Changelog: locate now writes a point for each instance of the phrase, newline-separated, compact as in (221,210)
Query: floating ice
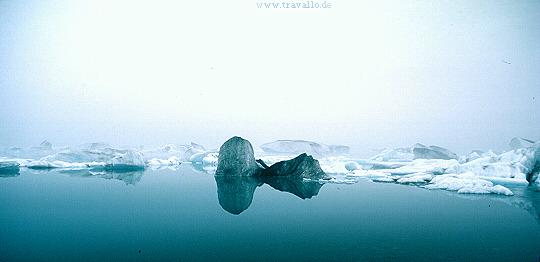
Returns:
(129,161)
(156,163)
(9,167)
(432,152)
(394,155)
(374,175)
(466,183)
(416,178)
(210,159)
(432,166)
(351,166)
(520,164)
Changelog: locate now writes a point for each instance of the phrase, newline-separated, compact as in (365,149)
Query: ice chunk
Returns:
(519,164)
(466,183)
(182,152)
(518,142)
(416,178)
(205,158)
(293,147)
(44,164)
(334,165)
(395,155)
(351,166)
(9,168)
(476,154)
(497,189)
(371,164)
(194,149)
(211,159)
(432,152)
(171,161)
(129,161)
(373,175)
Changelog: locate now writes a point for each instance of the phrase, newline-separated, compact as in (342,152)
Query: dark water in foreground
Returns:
(176,215)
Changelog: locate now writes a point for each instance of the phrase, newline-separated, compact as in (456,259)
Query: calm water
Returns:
(188,215)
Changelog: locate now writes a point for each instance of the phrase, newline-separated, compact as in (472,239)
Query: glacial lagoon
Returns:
(188,214)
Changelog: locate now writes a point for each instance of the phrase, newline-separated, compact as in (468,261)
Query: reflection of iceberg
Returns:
(299,187)
(9,168)
(128,177)
(526,198)
(235,193)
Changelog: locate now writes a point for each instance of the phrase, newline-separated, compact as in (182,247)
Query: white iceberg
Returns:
(129,161)
(417,178)
(211,159)
(157,163)
(466,183)
(394,155)
(521,165)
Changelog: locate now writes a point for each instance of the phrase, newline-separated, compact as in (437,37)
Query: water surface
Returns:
(186,214)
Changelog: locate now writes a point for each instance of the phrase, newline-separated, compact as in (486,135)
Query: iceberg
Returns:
(182,152)
(432,152)
(467,183)
(129,161)
(9,168)
(417,178)
(518,142)
(157,163)
(295,147)
(417,151)
(394,155)
(521,164)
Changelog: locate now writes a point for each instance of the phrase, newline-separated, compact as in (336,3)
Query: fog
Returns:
(459,74)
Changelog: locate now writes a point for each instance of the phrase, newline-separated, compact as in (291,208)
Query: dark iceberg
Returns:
(301,166)
(235,193)
(9,168)
(238,174)
(236,158)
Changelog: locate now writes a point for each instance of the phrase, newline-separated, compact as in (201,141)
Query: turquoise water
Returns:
(188,215)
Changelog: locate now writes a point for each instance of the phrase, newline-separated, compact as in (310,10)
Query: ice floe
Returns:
(466,183)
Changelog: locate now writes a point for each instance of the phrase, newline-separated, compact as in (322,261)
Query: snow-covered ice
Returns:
(466,183)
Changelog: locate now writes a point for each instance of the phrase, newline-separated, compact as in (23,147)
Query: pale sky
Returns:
(460,74)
